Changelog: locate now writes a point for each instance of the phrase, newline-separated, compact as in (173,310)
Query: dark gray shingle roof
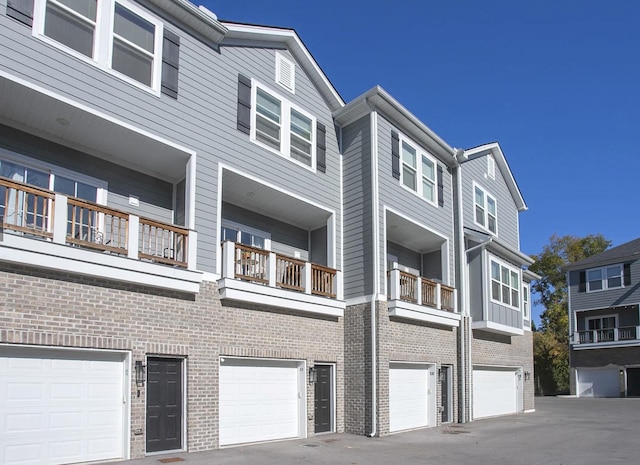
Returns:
(623,252)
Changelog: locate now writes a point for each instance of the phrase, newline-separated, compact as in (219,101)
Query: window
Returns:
(282,127)
(601,329)
(485,210)
(244,235)
(525,301)
(505,285)
(418,171)
(599,279)
(113,34)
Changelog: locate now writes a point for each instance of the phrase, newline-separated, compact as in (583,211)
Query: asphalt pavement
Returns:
(562,431)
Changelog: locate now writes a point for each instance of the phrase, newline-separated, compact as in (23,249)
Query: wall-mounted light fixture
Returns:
(313,375)
(140,375)
(527,376)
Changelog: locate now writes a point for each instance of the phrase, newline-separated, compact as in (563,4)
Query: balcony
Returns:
(619,336)
(50,230)
(259,276)
(419,298)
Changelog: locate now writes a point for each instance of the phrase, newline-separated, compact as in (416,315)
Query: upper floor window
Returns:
(609,277)
(525,301)
(485,210)
(418,171)
(113,34)
(505,285)
(281,126)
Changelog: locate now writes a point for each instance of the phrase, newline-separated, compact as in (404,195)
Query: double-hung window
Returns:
(418,171)
(282,127)
(113,34)
(505,284)
(485,210)
(609,277)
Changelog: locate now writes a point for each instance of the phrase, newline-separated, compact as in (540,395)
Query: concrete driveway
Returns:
(562,431)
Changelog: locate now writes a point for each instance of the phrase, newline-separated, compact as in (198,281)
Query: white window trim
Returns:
(526,302)
(485,209)
(103,40)
(280,58)
(511,268)
(590,318)
(53,170)
(285,126)
(249,230)
(604,280)
(419,154)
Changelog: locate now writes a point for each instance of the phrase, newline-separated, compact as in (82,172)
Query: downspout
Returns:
(463,285)
(376,268)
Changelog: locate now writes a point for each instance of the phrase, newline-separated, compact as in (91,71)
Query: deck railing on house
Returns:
(421,291)
(279,271)
(40,213)
(621,333)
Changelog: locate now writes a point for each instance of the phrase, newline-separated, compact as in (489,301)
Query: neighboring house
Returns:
(203,246)
(604,322)
(498,301)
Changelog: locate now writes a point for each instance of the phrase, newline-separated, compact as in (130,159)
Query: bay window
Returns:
(505,285)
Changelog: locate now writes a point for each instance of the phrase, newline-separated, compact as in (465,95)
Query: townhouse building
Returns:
(603,323)
(202,245)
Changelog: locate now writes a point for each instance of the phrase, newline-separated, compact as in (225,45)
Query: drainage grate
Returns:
(171,460)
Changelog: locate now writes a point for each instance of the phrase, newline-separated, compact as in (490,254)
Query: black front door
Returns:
(633,382)
(323,389)
(445,393)
(164,404)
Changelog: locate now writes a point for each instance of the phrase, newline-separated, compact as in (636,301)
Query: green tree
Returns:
(551,339)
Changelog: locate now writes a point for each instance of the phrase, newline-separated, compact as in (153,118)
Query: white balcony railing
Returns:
(595,336)
(275,270)
(421,291)
(39,213)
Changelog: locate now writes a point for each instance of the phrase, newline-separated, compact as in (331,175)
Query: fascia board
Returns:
(194,17)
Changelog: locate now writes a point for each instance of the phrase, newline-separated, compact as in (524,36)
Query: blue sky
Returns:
(554,82)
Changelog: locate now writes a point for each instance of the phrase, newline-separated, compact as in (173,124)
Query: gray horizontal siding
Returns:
(358,244)
(406,257)
(155,196)
(628,295)
(507,213)
(399,199)
(202,119)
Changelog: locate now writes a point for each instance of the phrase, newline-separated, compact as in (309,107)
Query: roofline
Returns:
(492,242)
(201,20)
(501,160)
(597,264)
(244,33)
(380,100)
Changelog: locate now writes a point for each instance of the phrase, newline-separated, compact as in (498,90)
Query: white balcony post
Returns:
(272,268)
(615,334)
(306,276)
(192,250)
(60,219)
(134,237)
(228,259)
(339,286)
(438,296)
(595,335)
(455,300)
(394,278)
(419,291)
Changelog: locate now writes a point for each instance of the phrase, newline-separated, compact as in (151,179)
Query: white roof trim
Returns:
(288,38)
(201,20)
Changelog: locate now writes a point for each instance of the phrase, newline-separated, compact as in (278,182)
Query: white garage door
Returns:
(599,383)
(408,396)
(495,392)
(59,406)
(260,400)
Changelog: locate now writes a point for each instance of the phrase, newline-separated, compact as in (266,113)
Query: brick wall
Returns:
(61,309)
(593,358)
(510,351)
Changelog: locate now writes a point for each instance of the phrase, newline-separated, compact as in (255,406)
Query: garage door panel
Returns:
(60,406)
(408,396)
(599,383)
(495,392)
(259,400)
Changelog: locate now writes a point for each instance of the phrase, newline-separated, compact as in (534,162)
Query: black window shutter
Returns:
(22,10)
(627,274)
(321,149)
(440,187)
(395,155)
(170,61)
(583,282)
(244,104)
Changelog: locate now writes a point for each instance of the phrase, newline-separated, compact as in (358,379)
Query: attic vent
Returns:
(285,72)
(491,167)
